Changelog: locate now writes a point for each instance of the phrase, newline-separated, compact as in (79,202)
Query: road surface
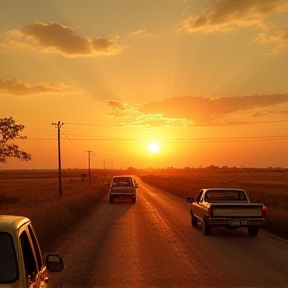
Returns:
(152,244)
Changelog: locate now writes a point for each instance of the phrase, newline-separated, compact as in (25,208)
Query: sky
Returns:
(205,80)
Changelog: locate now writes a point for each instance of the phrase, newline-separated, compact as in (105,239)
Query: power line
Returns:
(80,148)
(133,125)
(72,142)
(96,157)
(191,139)
(96,125)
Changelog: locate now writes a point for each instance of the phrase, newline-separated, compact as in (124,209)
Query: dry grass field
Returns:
(265,186)
(35,194)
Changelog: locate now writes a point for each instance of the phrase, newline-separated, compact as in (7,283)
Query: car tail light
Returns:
(264,209)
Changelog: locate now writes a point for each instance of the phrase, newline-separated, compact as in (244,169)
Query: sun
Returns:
(154,147)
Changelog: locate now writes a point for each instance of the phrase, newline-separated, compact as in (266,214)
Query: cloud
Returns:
(189,111)
(280,38)
(17,87)
(154,120)
(141,33)
(225,15)
(56,38)
(118,109)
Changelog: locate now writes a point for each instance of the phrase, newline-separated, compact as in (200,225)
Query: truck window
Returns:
(36,247)
(28,256)
(225,195)
(8,262)
(122,182)
(199,196)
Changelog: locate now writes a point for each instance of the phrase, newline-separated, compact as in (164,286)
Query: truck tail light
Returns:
(210,211)
(264,209)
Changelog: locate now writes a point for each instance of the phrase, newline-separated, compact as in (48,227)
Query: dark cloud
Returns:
(117,108)
(57,38)
(188,111)
(15,86)
(102,45)
(226,14)
(116,105)
(278,37)
(199,109)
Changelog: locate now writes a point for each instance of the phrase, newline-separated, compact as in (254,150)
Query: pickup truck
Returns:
(122,187)
(21,262)
(226,207)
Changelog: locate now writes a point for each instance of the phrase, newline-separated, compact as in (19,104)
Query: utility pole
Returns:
(59,125)
(111,165)
(89,166)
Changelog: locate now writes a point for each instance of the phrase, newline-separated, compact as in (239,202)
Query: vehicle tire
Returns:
(193,220)
(253,230)
(134,200)
(206,228)
(110,200)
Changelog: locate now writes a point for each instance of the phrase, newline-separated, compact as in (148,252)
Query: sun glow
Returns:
(154,147)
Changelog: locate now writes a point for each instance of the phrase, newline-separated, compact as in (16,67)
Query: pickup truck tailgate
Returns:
(223,210)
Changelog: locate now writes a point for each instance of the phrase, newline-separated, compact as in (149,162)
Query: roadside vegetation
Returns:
(36,196)
(270,188)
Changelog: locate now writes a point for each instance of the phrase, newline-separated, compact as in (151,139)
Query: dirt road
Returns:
(152,244)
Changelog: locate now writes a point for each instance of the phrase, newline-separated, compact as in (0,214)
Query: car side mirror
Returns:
(136,185)
(54,262)
(190,199)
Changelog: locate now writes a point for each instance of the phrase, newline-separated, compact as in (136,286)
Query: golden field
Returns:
(35,193)
(266,186)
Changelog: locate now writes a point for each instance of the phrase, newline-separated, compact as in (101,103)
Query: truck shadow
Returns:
(240,232)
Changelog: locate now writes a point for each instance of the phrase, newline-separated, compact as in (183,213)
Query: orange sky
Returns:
(207,80)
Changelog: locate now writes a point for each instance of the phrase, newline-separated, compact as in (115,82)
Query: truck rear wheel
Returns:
(133,200)
(193,220)
(206,228)
(110,200)
(253,230)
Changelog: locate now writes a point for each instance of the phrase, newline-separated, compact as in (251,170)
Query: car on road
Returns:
(122,187)
(21,262)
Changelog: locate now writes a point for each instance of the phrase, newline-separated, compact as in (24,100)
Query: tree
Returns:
(10,130)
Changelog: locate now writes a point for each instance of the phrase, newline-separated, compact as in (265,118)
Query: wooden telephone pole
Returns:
(59,125)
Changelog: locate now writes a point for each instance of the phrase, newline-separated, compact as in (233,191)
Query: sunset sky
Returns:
(205,80)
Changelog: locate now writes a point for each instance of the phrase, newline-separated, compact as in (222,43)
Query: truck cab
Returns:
(21,261)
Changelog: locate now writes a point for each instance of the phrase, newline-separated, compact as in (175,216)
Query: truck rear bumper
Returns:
(123,195)
(236,222)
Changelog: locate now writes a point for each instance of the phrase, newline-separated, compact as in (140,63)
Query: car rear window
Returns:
(8,263)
